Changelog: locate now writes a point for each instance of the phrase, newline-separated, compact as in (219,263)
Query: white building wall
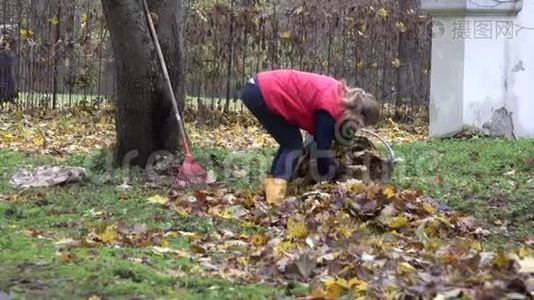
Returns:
(477,74)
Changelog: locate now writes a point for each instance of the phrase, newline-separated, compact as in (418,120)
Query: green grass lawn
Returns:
(487,178)
(76,98)
(61,98)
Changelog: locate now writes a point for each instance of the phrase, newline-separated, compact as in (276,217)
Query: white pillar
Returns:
(482,67)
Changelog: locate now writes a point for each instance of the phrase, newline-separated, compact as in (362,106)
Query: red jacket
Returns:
(296,96)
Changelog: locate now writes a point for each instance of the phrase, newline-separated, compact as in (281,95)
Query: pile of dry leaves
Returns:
(357,240)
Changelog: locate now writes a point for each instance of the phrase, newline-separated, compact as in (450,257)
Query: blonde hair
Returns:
(360,106)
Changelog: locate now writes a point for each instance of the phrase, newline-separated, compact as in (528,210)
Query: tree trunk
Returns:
(144,122)
(171,14)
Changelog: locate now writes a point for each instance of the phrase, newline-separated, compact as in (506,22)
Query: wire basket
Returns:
(365,156)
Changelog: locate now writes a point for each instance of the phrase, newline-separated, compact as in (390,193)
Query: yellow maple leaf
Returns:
(357,187)
(396,63)
(318,293)
(281,247)
(5,137)
(333,288)
(285,35)
(524,252)
(397,222)
(243,261)
(157,199)
(357,283)
(400,26)
(475,245)
(389,192)
(181,211)
(54,20)
(26,33)
(299,10)
(444,220)
(381,13)
(501,260)
(429,208)
(405,268)
(83,19)
(109,235)
(296,229)
(258,240)
(342,282)
(433,244)
(358,286)
(345,231)
(39,141)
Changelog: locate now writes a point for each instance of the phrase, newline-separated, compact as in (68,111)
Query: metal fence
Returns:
(381,46)
(62,50)
(64,53)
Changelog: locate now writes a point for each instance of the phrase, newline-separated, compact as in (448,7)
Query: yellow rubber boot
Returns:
(275,190)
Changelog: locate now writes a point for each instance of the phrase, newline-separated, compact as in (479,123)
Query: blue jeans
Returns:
(288,136)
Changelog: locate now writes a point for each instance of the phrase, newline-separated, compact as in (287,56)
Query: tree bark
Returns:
(171,14)
(144,120)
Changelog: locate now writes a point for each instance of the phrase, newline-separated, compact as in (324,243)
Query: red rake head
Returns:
(190,173)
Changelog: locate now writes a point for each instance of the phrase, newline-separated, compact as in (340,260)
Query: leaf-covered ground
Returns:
(82,129)
(456,222)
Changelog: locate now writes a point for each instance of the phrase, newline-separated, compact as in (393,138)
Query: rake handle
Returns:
(167,78)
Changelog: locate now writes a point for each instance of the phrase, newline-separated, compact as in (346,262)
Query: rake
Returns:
(190,172)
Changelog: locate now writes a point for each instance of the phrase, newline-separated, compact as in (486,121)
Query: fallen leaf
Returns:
(333,288)
(429,208)
(382,13)
(285,35)
(405,268)
(396,63)
(452,294)
(211,177)
(367,258)
(208,266)
(124,187)
(526,265)
(296,229)
(163,250)
(400,26)
(397,222)
(157,199)
(510,173)
(305,265)
(501,260)
(109,235)
(281,264)
(525,252)
(389,192)
(358,286)
(259,240)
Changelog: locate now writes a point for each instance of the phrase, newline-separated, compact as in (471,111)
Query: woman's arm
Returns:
(325,126)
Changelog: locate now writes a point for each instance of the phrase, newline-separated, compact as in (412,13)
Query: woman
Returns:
(286,101)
